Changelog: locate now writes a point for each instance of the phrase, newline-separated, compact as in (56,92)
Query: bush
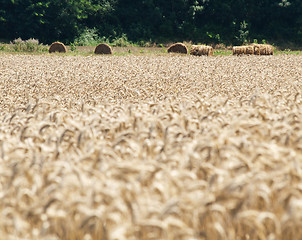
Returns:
(243,33)
(18,44)
(30,45)
(143,43)
(73,47)
(89,37)
(121,41)
(2,47)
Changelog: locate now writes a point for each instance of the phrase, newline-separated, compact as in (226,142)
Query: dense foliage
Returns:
(209,21)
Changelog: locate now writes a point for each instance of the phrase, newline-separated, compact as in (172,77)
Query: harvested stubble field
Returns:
(150,147)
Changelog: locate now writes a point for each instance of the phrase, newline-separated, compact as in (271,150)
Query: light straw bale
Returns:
(263,49)
(249,50)
(199,50)
(239,50)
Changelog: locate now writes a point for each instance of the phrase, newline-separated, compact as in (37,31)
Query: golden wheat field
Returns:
(150,147)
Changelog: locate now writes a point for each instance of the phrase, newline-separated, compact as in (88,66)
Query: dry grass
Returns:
(150,147)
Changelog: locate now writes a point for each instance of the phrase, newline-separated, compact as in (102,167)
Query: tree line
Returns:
(200,21)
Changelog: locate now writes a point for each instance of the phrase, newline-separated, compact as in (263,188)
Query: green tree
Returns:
(209,21)
(47,20)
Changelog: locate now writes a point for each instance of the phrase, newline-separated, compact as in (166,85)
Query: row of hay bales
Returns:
(197,50)
(254,49)
(102,48)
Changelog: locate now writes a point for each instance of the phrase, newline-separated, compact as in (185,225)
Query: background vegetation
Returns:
(206,21)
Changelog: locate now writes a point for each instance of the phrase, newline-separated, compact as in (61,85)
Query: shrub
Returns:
(73,47)
(2,47)
(30,45)
(121,41)
(243,33)
(89,37)
(18,44)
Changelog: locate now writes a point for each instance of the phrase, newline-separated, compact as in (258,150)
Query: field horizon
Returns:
(34,48)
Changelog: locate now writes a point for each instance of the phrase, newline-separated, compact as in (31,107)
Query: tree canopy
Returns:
(209,21)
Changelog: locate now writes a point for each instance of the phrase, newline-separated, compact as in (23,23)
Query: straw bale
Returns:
(178,48)
(103,48)
(256,49)
(263,49)
(249,50)
(269,49)
(57,47)
(238,50)
(199,50)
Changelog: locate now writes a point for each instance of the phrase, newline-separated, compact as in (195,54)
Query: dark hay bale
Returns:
(57,47)
(178,48)
(103,48)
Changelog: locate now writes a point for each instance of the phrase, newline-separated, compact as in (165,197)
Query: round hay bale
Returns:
(103,48)
(57,47)
(199,50)
(178,48)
